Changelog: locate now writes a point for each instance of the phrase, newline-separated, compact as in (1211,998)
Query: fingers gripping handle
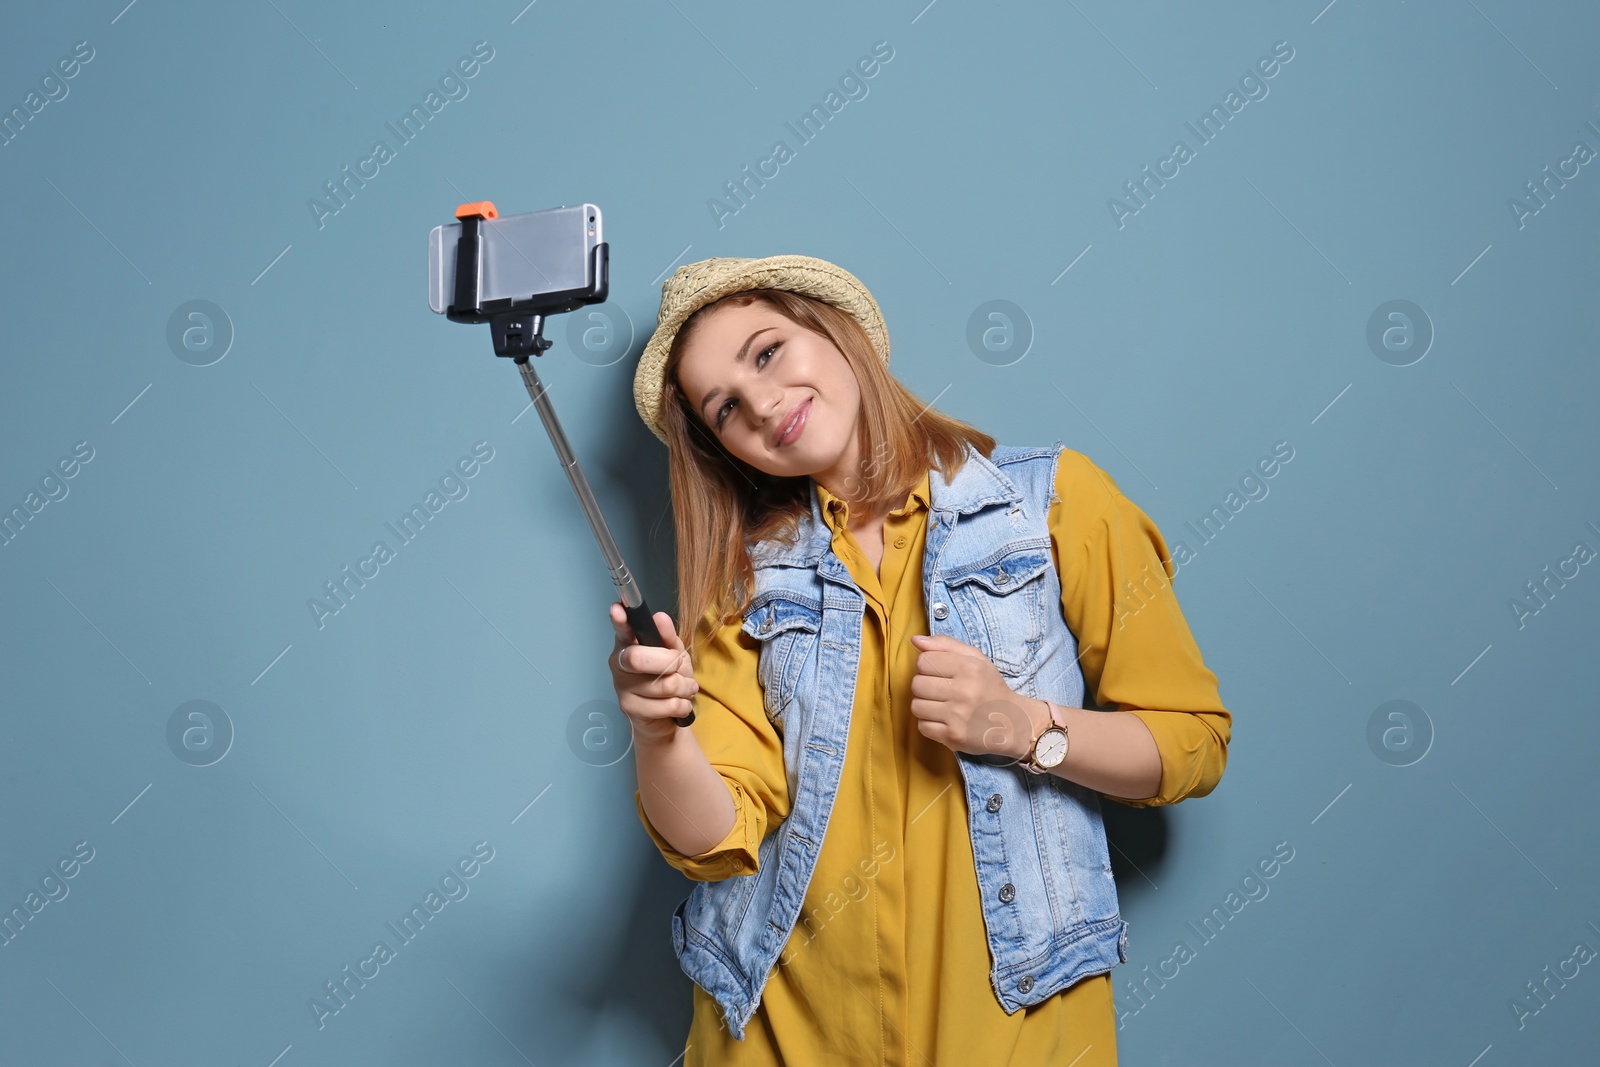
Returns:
(643,623)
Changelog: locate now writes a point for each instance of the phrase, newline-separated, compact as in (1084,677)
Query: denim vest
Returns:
(1049,902)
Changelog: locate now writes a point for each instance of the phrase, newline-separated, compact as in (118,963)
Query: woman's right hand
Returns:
(654,685)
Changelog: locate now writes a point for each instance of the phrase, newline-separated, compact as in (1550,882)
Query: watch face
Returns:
(1052,748)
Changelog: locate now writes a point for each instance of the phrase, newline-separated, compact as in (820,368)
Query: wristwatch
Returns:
(1049,748)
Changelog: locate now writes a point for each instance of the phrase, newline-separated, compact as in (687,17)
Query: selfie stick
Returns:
(517,329)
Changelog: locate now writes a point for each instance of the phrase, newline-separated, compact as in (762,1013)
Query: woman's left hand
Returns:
(961,701)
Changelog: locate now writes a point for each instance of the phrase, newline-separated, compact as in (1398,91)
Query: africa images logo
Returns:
(1253,84)
(342,589)
(452,84)
(807,128)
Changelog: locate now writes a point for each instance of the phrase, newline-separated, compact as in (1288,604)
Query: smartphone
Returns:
(527,257)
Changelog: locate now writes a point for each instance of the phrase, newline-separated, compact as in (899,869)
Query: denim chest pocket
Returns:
(1002,602)
(787,628)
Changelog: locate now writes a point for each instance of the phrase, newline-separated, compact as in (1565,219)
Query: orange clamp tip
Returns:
(481,207)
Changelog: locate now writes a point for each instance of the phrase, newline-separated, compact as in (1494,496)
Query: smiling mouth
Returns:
(791,426)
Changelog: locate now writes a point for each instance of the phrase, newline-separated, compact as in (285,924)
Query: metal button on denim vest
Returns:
(1050,908)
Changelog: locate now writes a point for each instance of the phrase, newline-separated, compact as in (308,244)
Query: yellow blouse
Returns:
(889,963)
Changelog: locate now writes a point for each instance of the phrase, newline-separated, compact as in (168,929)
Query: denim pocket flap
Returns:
(778,614)
(1007,574)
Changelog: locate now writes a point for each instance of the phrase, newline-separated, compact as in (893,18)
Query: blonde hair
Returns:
(721,504)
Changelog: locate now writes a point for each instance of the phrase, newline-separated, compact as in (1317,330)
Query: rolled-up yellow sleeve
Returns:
(743,745)
(1137,654)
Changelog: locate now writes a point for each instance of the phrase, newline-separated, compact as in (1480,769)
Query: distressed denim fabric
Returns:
(1049,901)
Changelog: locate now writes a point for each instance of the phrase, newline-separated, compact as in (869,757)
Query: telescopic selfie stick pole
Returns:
(517,329)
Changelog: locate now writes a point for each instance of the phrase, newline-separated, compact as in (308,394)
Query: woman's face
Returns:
(747,369)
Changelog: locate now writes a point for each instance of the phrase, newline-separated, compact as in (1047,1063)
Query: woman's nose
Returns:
(772,404)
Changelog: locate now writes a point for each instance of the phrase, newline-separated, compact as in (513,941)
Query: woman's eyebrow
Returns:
(743,349)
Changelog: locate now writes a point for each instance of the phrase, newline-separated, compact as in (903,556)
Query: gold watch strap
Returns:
(1028,761)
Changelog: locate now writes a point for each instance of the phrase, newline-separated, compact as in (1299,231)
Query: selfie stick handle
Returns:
(640,618)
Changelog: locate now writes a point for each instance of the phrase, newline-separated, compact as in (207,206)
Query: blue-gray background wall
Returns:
(233,456)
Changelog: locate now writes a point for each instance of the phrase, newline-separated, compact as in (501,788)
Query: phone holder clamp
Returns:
(516,326)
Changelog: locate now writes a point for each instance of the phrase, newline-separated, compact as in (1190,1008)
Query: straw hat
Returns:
(694,285)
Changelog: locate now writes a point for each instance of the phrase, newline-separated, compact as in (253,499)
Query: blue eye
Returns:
(722,412)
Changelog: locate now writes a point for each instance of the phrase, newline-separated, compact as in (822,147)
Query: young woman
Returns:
(889,797)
